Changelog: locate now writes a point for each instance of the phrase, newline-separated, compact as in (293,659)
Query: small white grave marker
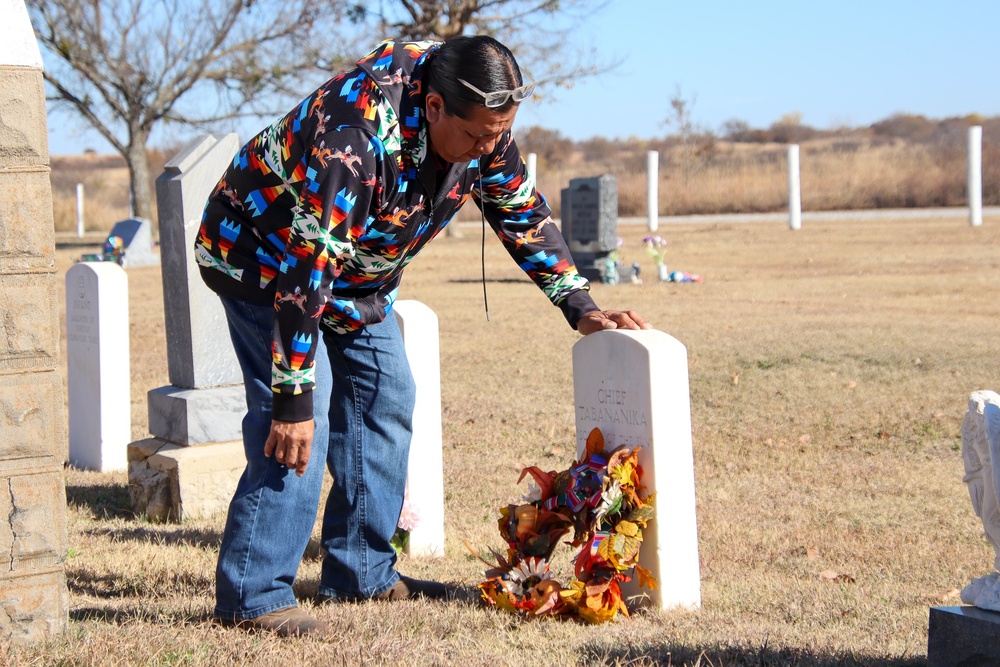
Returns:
(633,385)
(97,354)
(425,474)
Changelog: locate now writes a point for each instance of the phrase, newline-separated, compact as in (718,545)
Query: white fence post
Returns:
(79,210)
(976,175)
(652,192)
(532,164)
(794,191)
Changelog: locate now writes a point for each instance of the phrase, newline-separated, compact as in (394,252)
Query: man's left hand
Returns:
(599,320)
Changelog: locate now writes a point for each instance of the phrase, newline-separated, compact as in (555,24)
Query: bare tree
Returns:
(697,145)
(127,65)
(540,32)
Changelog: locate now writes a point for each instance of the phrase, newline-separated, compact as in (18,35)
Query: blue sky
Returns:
(843,63)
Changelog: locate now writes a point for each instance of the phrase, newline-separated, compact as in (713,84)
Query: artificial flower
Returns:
(601,499)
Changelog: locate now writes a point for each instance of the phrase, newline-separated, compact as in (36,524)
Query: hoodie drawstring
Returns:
(486,303)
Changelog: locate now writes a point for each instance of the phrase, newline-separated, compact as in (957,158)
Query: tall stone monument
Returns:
(189,468)
(34,600)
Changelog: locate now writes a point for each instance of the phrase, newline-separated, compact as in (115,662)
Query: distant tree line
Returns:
(551,146)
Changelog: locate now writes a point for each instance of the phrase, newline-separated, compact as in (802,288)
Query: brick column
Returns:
(33,597)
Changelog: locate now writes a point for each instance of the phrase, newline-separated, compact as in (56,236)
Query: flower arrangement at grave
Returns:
(600,500)
(656,246)
(409,518)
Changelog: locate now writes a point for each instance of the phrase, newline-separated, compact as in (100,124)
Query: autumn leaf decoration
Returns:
(600,500)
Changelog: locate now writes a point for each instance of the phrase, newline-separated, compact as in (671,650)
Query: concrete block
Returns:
(170,482)
(24,139)
(32,520)
(29,320)
(199,352)
(26,232)
(32,430)
(633,385)
(33,605)
(963,637)
(196,416)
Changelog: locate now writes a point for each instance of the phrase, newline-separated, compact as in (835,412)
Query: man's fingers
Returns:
(292,455)
(272,441)
(639,321)
(304,452)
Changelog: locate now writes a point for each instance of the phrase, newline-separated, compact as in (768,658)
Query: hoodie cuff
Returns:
(576,305)
(292,407)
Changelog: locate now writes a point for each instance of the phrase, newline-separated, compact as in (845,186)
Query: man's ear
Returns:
(433,107)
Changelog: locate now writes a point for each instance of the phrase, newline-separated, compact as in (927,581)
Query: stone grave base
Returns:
(963,636)
(169,482)
(195,416)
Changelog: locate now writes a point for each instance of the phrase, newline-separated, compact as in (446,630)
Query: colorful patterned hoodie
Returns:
(321,211)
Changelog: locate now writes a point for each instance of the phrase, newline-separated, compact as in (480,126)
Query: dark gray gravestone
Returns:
(963,637)
(199,352)
(590,222)
(205,400)
(191,465)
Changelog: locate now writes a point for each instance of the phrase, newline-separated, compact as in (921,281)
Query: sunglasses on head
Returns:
(499,97)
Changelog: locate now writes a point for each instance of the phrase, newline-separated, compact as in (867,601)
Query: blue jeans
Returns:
(363,409)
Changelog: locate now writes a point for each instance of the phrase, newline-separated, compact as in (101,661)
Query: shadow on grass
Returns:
(105,501)
(130,615)
(117,587)
(162,535)
(735,656)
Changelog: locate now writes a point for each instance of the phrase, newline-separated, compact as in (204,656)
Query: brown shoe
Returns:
(289,622)
(404,589)
(409,589)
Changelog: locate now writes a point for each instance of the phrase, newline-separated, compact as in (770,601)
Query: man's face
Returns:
(455,139)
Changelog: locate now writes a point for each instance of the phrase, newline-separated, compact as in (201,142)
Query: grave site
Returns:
(792,443)
(829,370)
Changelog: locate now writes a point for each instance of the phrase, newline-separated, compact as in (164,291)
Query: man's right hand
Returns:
(290,443)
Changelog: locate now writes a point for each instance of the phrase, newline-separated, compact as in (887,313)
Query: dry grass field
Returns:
(829,373)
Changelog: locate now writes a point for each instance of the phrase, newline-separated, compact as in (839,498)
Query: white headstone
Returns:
(633,385)
(136,235)
(425,474)
(97,355)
